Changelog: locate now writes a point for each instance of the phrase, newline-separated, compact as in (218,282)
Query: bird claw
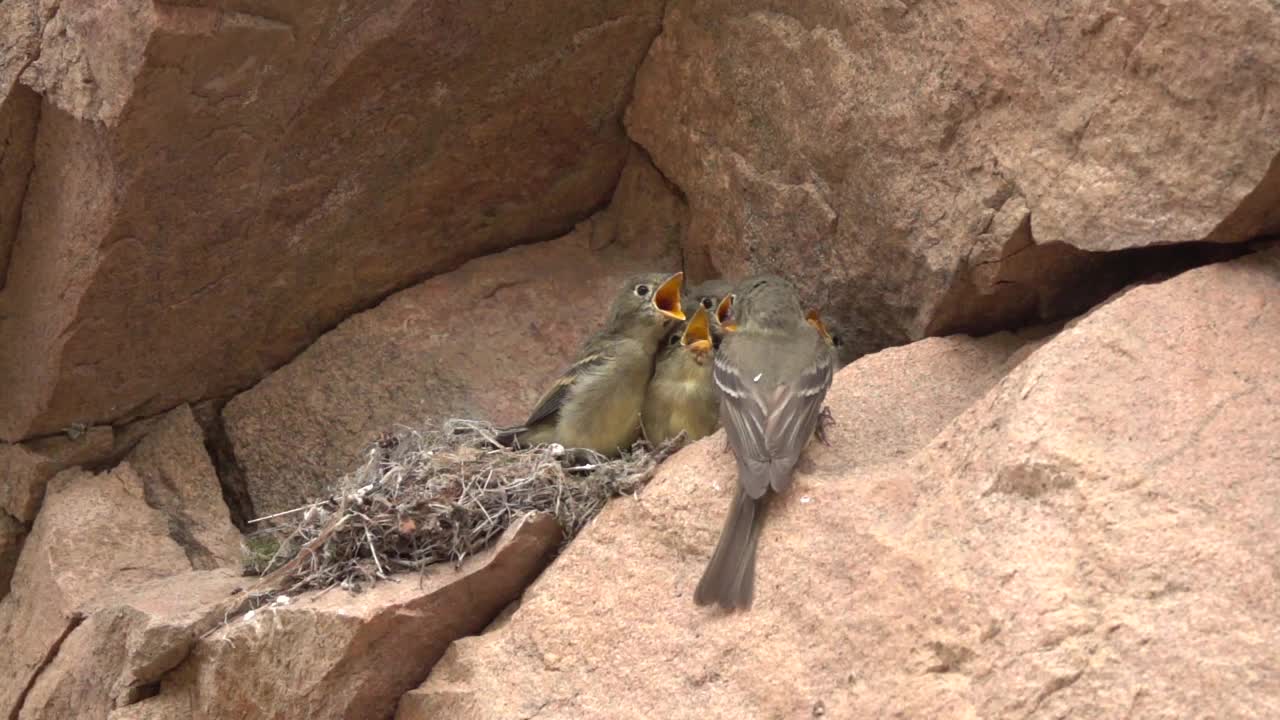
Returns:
(824,418)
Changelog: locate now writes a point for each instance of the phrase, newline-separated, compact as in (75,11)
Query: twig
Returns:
(374,551)
(282,513)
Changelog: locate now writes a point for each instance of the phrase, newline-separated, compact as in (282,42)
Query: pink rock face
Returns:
(1090,531)
(180,482)
(111,656)
(481,342)
(24,473)
(129,585)
(98,543)
(26,470)
(95,536)
(334,655)
(888,155)
(212,189)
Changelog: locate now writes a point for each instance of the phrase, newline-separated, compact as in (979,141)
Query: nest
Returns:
(430,496)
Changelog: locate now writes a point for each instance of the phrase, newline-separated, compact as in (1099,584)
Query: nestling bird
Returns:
(596,403)
(814,319)
(833,342)
(708,294)
(681,395)
(772,372)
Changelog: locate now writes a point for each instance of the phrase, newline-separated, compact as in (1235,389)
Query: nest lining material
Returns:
(430,496)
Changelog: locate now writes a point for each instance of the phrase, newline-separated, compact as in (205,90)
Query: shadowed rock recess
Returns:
(242,240)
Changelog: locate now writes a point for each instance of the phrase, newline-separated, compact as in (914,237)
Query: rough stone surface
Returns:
(483,341)
(180,482)
(24,473)
(646,211)
(94,536)
(12,534)
(97,539)
(213,188)
(108,660)
(337,655)
(26,470)
(162,707)
(895,157)
(19,113)
(1095,536)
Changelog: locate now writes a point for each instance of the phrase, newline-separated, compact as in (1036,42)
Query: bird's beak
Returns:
(816,322)
(722,314)
(667,297)
(697,334)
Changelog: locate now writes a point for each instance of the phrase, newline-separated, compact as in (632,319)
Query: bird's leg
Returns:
(824,418)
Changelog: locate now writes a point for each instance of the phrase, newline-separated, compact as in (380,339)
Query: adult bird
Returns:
(772,372)
(596,402)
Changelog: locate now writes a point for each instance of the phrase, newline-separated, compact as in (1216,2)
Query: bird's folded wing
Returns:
(768,426)
(552,400)
(743,414)
(793,418)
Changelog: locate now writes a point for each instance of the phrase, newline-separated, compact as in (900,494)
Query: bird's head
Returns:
(763,302)
(648,300)
(696,338)
(708,295)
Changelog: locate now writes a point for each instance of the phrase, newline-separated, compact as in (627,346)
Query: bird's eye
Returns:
(642,290)
(673,340)
(835,340)
(708,303)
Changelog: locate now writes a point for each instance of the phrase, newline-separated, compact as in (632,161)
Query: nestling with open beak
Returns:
(833,342)
(681,395)
(827,334)
(708,294)
(596,403)
(772,372)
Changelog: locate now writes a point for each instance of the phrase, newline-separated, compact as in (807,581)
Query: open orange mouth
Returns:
(816,322)
(724,311)
(667,297)
(697,335)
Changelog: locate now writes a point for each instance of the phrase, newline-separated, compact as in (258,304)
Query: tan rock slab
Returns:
(25,470)
(336,655)
(117,651)
(84,580)
(899,160)
(214,188)
(180,481)
(19,112)
(161,707)
(1094,536)
(95,536)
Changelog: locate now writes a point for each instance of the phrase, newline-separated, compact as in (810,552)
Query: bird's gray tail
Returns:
(730,577)
(509,436)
